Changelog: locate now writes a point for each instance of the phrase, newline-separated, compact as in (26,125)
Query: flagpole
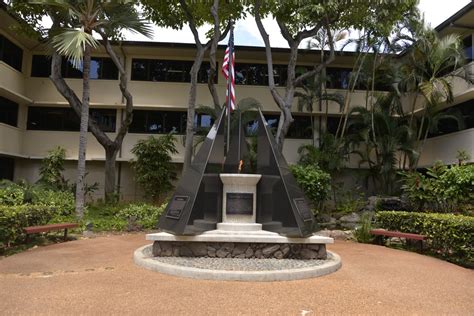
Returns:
(229,95)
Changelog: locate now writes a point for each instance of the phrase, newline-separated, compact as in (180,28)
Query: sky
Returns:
(246,32)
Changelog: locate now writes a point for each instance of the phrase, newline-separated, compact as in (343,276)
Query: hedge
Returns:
(14,218)
(450,236)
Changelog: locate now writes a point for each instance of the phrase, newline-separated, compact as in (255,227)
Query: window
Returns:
(338,78)
(468,49)
(465,113)
(203,123)
(257,74)
(300,128)
(332,124)
(8,112)
(105,118)
(167,70)
(101,68)
(164,122)
(158,122)
(10,53)
(7,167)
(64,119)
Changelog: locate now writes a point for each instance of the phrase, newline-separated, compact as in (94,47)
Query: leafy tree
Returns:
(71,35)
(311,17)
(154,170)
(175,14)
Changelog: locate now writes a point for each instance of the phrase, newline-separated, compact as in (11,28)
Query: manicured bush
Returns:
(145,215)
(314,182)
(450,236)
(13,218)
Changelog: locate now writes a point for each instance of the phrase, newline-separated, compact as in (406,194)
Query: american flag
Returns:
(228,71)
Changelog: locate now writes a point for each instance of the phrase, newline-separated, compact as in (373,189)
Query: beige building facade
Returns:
(35,118)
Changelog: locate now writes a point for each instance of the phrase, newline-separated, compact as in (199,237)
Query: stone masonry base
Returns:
(238,250)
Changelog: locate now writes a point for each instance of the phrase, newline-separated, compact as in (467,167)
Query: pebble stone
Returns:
(239,264)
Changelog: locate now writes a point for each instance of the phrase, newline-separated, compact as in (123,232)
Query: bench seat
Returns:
(381,233)
(388,233)
(46,228)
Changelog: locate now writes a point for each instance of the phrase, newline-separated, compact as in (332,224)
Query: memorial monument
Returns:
(217,211)
(220,211)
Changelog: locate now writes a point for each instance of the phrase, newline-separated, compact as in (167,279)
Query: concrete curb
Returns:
(142,259)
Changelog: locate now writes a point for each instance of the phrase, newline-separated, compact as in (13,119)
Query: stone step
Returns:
(204,224)
(239,226)
(272,226)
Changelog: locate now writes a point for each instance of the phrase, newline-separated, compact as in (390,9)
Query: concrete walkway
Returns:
(97,276)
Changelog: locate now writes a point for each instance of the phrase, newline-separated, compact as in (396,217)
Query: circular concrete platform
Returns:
(231,269)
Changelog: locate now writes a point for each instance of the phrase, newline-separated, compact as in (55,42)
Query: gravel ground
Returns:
(236,264)
(98,277)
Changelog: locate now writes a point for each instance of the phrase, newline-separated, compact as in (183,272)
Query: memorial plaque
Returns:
(304,209)
(239,204)
(176,207)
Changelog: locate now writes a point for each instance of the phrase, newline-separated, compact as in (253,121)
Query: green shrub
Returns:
(443,189)
(62,201)
(51,169)
(450,236)
(144,214)
(106,224)
(19,194)
(314,182)
(14,218)
(154,170)
(11,193)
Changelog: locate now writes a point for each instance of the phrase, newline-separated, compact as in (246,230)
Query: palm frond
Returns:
(124,16)
(71,43)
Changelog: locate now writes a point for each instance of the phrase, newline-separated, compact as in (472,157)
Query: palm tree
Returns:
(430,65)
(384,136)
(314,92)
(71,35)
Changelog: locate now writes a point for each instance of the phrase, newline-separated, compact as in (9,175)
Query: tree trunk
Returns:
(81,160)
(188,147)
(76,104)
(285,103)
(110,185)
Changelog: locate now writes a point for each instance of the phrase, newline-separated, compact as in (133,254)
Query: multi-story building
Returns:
(34,117)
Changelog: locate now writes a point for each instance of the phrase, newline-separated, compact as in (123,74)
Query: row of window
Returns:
(178,71)
(8,112)
(10,53)
(101,68)
(64,119)
(147,121)
(168,70)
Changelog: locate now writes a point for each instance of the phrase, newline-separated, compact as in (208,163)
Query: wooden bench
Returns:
(46,228)
(387,233)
